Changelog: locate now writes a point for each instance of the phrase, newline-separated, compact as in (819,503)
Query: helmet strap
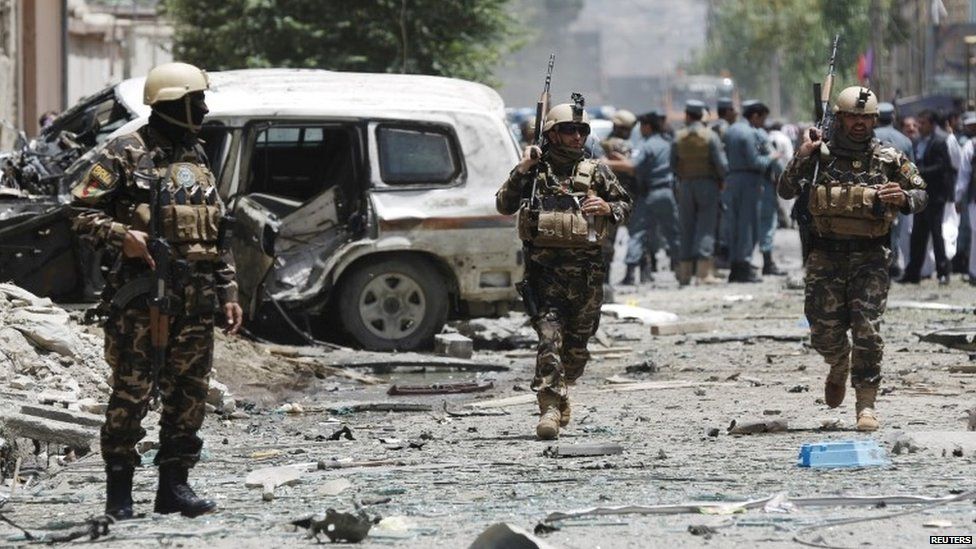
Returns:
(187,122)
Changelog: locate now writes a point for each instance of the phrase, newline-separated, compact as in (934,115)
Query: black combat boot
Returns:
(769,266)
(174,495)
(118,491)
(741,271)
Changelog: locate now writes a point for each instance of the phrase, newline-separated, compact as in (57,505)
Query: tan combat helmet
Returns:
(565,112)
(172,81)
(624,118)
(857,100)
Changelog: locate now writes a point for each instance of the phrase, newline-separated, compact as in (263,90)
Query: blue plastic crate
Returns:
(846,453)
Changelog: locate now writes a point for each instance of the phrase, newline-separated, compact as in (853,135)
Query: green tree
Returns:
(458,38)
(756,39)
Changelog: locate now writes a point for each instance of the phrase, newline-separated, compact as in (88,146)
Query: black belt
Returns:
(848,246)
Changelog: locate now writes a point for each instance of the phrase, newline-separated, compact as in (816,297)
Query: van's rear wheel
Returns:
(393,304)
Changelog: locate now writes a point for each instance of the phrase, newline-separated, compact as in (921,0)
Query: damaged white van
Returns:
(363,201)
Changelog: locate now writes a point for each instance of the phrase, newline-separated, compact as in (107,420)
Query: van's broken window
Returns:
(415,155)
(299,162)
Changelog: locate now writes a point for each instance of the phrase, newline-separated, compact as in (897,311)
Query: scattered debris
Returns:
(630,312)
(735,298)
(333,487)
(342,464)
(960,338)
(772,412)
(713,508)
(345,433)
(646,367)
(684,327)
(60,414)
(767,426)
(49,430)
(847,453)
(799,389)
(471,413)
(270,478)
(454,345)
(542,529)
(506,536)
(291,408)
(927,306)
(583,450)
(937,523)
(785,336)
(441,388)
(338,527)
(948,442)
(701,530)
(353,407)
(713,432)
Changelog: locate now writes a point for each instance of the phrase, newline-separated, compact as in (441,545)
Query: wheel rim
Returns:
(392,305)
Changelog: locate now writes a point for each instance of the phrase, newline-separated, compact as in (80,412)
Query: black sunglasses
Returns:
(570,129)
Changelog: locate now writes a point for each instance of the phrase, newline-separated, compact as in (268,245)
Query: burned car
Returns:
(361,201)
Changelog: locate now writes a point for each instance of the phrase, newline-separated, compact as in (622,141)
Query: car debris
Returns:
(960,338)
(631,312)
(454,345)
(270,478)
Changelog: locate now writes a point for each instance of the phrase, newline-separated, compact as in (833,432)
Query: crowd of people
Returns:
(706,194)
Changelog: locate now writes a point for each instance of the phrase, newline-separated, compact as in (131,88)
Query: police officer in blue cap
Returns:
(749,164)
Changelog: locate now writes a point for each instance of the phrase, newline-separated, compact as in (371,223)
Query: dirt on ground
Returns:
(444,472)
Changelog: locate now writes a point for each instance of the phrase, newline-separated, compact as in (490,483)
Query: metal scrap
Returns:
(440,388)
(338,527)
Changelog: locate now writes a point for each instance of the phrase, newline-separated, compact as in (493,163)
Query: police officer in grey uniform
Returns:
(655,209)
(698,160)
(727,115)
(749,164)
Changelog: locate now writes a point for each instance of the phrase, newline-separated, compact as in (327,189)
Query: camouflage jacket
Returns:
(108,199)
(549,183)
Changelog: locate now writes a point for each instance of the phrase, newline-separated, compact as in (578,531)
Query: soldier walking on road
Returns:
(860,185)
(698,159)
(111,206)
(566,204)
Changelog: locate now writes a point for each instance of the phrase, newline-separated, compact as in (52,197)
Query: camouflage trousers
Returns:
(568,288)
(183,387)
(848,292)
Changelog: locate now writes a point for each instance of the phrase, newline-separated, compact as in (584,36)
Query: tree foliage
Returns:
(458,38)
(747,34)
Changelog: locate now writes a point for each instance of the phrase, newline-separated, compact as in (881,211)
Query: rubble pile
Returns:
(45,353)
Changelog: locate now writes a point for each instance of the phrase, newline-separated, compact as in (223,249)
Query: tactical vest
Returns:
(190,212)
(694,155)
(845,202)
(553,219)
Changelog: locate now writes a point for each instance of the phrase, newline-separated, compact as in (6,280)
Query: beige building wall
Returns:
(41,55)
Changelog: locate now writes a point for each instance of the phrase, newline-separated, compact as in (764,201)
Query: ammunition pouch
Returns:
(555,220)
(559,228)
(193,230)
(849,210)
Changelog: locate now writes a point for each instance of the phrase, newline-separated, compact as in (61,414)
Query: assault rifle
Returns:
(824,123)
(541,108)
(161,303)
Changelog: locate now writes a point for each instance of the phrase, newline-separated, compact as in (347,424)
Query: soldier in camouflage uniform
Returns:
(566,205)
(111,207)
(859,187)
(619,146)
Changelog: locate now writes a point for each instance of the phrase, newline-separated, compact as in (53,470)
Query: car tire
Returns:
(393,304)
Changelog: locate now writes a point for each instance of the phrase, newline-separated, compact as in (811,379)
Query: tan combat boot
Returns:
(866,420)
(684,272)
(836,385)
(549,416)
(564,411)
(703,272)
